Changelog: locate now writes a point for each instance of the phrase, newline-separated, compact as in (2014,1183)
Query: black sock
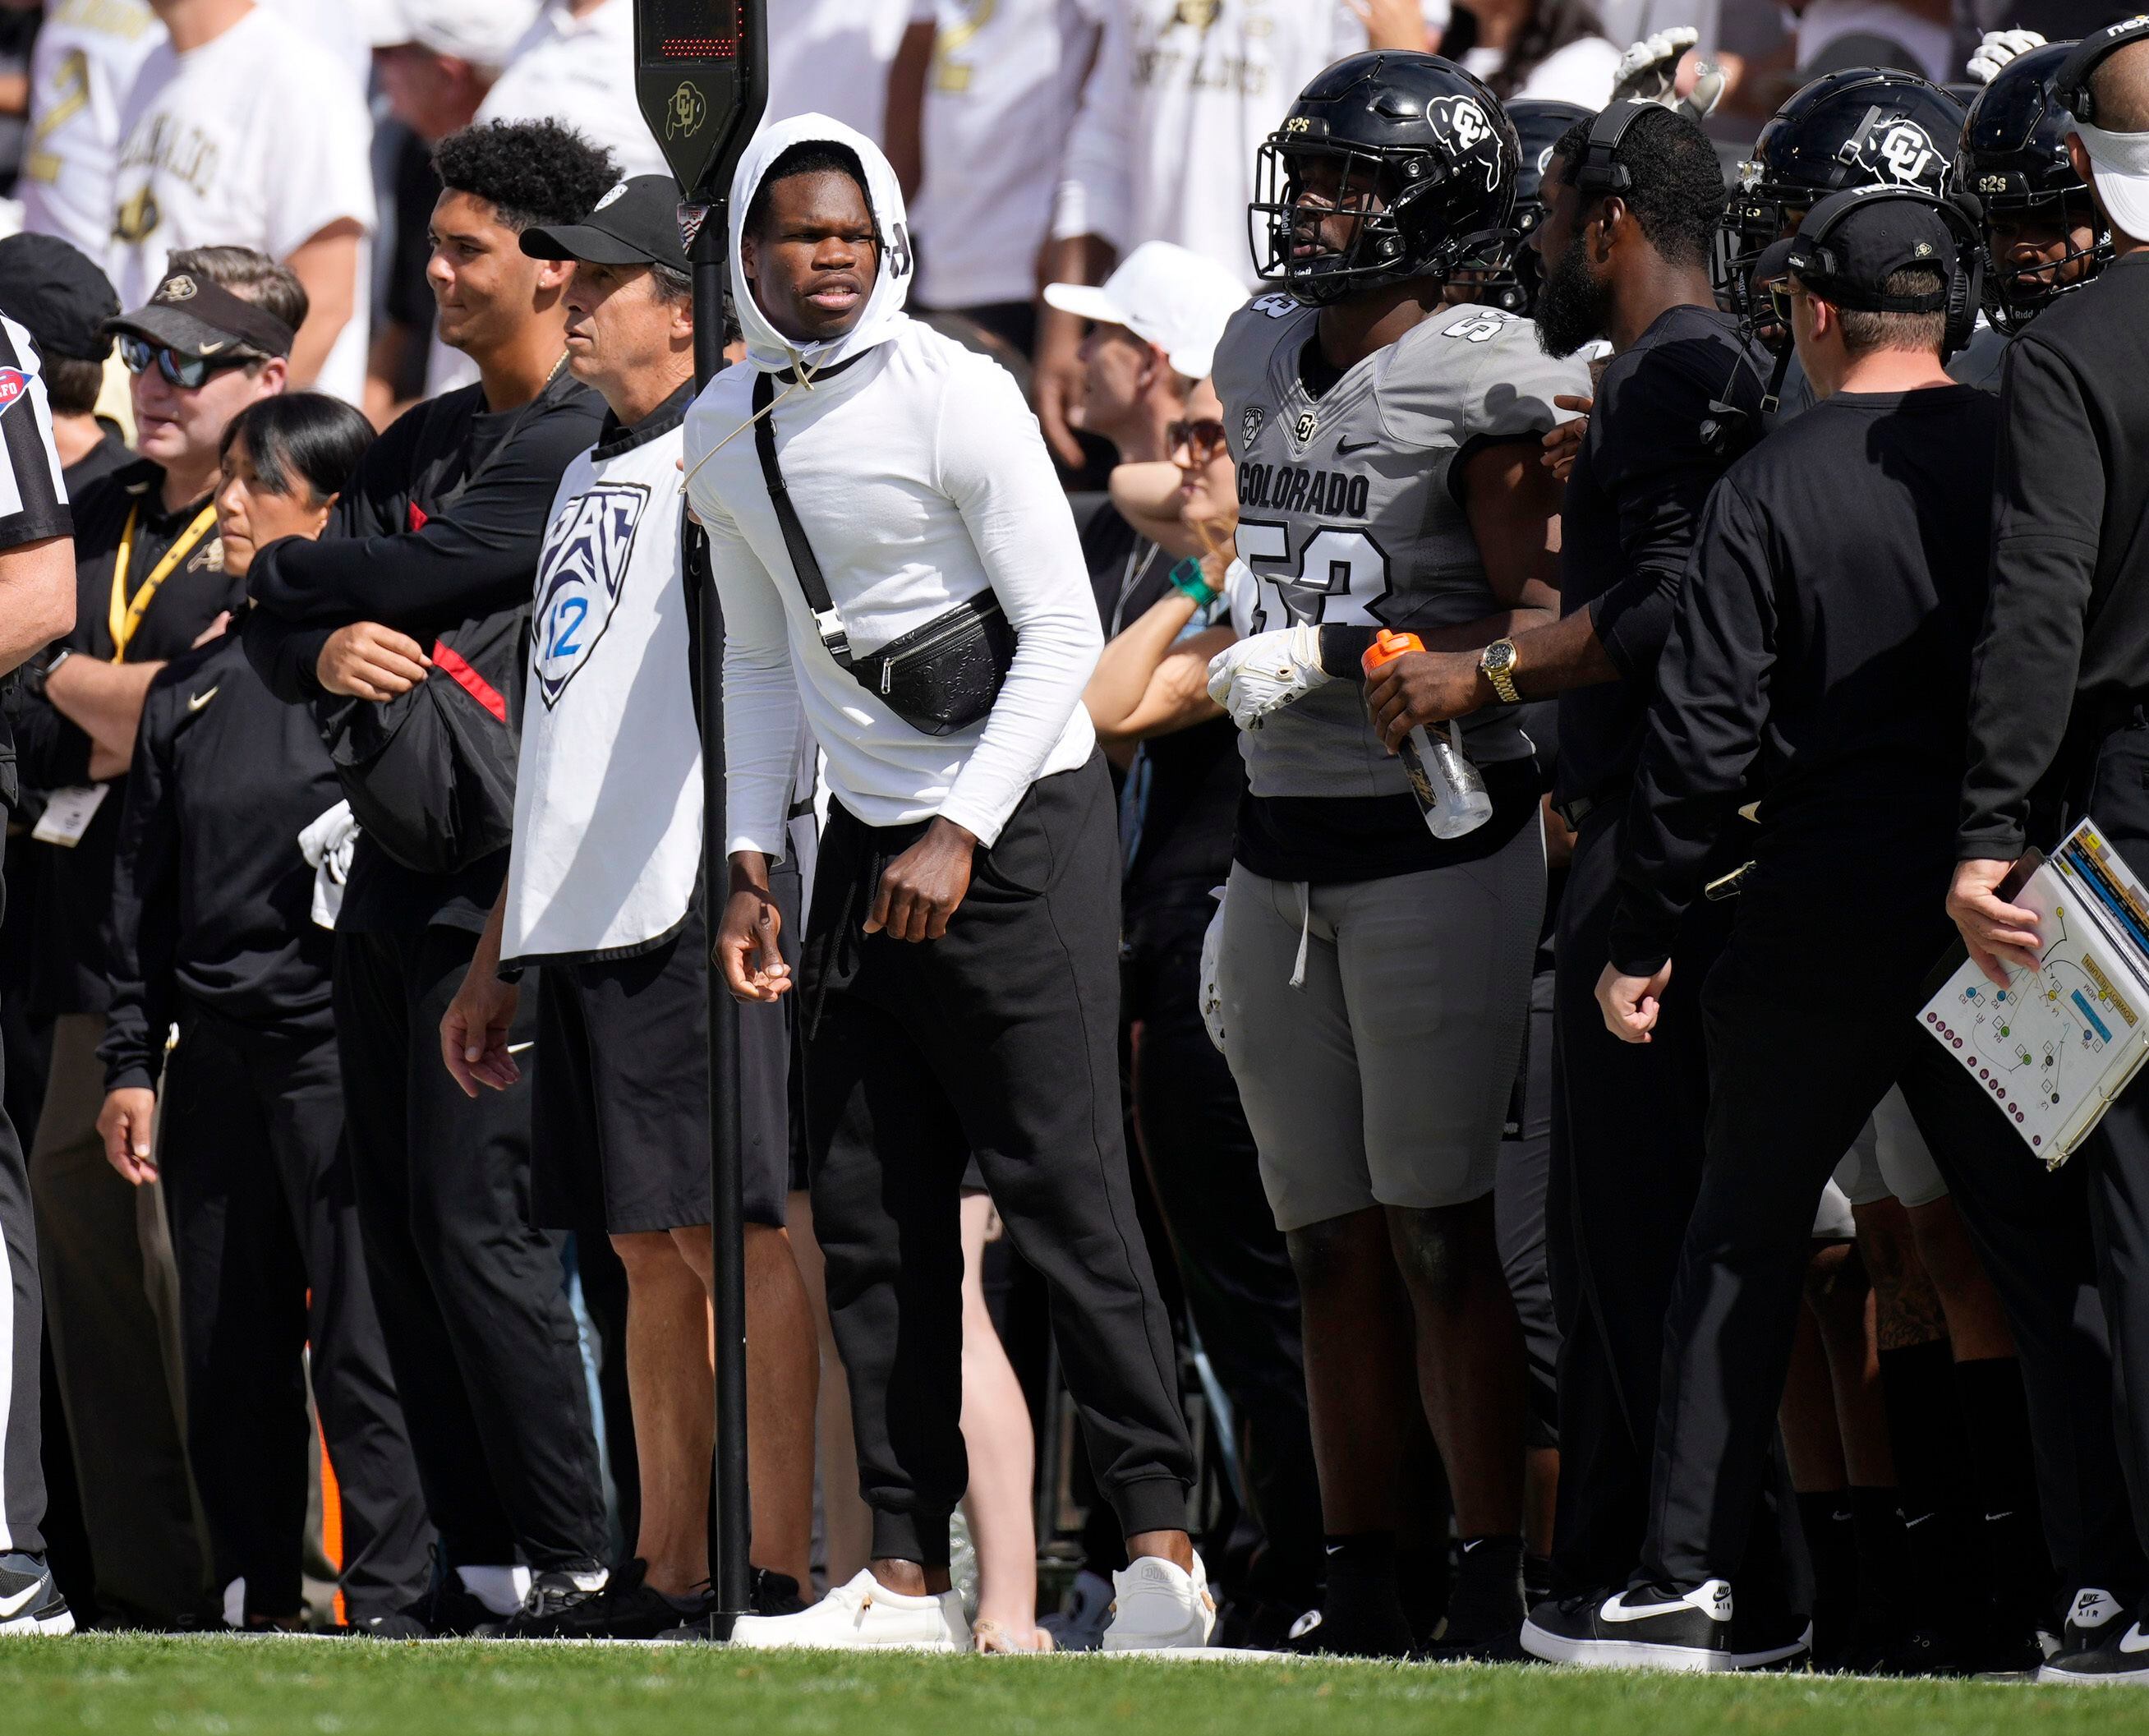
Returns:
(1489,1573)
(1831,1534)
(1997,1415)
(1884,1557)
(1536,1579)
(1932,1470)
(1362,1612)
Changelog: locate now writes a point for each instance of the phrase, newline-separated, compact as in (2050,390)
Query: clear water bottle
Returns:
(1449,790)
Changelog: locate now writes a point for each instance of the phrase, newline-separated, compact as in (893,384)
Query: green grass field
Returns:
(290,1687)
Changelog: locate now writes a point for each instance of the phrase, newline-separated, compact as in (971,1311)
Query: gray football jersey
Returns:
(1348,508)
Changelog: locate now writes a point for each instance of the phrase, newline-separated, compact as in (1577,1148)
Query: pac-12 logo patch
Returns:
(1250,426)
(14,383)
(1461,125)
(579,576)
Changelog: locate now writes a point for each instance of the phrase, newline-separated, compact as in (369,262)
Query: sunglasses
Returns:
(187,372)
(1781,294)
(1205,439)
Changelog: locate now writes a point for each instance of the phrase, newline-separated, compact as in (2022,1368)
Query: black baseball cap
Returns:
(636,223)
(1851,243)
(195,316)
(56,293)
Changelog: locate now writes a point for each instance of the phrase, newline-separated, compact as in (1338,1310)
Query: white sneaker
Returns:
(864,1616)
(1158,1606)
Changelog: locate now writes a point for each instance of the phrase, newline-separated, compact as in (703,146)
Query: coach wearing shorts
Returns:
(603,891)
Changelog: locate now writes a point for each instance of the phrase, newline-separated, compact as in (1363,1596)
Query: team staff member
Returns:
(36,586)
(215,924)
(1628,264)
(2061,675)
(611,751)
(151,580)
(1819,659)
(964,931)
(442,524)
(1374,980)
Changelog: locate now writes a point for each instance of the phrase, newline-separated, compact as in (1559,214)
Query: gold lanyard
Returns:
(126,613)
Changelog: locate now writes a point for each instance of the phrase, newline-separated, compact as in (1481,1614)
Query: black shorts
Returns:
(620,1129)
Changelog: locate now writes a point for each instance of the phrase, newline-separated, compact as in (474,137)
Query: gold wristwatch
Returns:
(1496,661)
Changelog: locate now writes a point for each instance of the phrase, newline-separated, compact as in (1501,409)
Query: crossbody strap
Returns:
(806,570)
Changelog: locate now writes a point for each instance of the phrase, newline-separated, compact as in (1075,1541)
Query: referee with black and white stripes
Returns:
(37,606)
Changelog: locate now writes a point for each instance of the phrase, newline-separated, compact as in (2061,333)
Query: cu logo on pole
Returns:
(686,111)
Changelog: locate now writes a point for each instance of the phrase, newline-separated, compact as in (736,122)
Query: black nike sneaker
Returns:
(628,1608)
(769,1592)
(551,1594)
(1651,1627)
(447,1610)
(30,1600)
(2100,1645)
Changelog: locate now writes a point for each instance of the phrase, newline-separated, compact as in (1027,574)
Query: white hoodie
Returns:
(920,479)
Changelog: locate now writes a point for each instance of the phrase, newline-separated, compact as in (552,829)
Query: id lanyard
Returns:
(127,612)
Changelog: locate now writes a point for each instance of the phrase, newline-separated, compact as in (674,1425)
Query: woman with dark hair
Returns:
(1553,50)
(223,896)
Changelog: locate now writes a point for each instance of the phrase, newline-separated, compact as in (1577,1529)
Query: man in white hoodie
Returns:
(959,980)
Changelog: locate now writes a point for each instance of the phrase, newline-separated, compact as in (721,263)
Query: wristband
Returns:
(1187,579)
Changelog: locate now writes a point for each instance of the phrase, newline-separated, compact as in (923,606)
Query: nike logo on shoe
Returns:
(1712,1599)
(20,1601)
(2093,1608)
(2134,1640)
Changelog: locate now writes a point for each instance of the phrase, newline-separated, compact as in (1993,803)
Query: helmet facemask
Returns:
(2015,294)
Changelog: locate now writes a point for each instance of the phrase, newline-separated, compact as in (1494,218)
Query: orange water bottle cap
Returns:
(1388,646)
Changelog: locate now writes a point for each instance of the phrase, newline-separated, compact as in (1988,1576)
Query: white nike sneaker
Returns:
(1158,1606)
(864,1616)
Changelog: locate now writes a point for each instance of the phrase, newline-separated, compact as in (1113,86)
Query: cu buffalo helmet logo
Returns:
(1897,153)
(1467,134)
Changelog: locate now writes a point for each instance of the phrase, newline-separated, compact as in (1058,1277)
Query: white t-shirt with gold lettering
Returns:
(259,139)
(87,54)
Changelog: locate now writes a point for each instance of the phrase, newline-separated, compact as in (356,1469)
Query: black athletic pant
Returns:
(265,1226)
(1627,1161)
(471,1298)
(1520,1214)
(1811,1013)
(998,1038)
(22,1335)
(1233,1266)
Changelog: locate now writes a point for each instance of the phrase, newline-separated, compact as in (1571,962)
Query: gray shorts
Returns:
(1889,1157)
(1383,1079)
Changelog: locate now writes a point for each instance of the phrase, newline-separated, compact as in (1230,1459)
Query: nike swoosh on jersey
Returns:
(195,702)
(10,1606)
(1345,448)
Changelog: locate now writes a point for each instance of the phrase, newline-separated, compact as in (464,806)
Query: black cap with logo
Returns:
(196,317)
(1852,243)
(55,293)
(636,223)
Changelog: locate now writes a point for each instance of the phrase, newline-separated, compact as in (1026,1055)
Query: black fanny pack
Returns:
(939,678)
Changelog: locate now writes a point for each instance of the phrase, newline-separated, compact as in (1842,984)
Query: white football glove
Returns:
(1212,997)
(1255,676)
(1997,49)
(1649,72)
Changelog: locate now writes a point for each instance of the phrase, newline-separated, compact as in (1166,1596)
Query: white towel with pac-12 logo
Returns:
(608,795)
(1351,509)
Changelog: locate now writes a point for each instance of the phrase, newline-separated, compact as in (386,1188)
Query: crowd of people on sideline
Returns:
(1370,650)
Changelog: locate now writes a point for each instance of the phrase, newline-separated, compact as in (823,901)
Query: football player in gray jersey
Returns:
(1374,980)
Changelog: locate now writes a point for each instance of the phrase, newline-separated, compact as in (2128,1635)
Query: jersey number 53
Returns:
(1337,576)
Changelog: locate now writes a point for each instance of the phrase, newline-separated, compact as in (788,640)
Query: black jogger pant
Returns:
(265,1226)
(1627,1125)
(999,1038)
(1204,1173)
(1799,1055)
(471,1298)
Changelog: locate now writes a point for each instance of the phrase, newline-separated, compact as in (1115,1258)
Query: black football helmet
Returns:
(1430,144)
(2014,158)
(1861,127)
(1539,125)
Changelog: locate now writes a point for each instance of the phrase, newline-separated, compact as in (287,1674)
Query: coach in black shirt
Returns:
(2056,718)
(1820,664)
(443,523)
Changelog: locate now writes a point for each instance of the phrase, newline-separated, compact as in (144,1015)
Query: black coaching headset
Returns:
(1812,258)
(2072,86)
(1600,172)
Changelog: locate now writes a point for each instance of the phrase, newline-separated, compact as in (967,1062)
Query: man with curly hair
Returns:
(442,524)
